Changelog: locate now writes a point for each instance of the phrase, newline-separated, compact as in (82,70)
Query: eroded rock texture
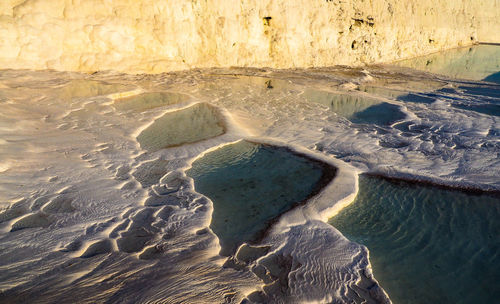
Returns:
(155,36)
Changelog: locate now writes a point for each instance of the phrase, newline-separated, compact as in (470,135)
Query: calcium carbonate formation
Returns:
(154,36)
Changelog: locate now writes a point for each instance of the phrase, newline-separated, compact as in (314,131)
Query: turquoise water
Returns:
(358,109)
(148,101)
(427,244)
(480,62)
(252,184)
(195,123)
(383,114)
(495,77)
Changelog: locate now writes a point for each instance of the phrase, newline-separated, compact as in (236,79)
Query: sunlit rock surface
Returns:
(86,212)
(156,36)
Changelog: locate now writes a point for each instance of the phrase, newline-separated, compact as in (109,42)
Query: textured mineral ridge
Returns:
(154,36)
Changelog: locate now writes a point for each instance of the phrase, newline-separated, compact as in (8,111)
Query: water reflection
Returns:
(195,123)
(481,62)
(427,245)
(147,101)
(80,88)
(358,109)
(251,184)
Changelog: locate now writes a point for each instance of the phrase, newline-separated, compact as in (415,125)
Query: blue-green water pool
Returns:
(427,244)
(358,109)
(479,62)
(251,184)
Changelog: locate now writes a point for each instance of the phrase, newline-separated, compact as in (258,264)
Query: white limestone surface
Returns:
(154,36)
(87,214)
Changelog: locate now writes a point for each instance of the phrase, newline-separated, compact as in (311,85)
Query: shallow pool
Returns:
(480,62)
(148,101)
(358,109)
(195,123)
(427,244)
(251,184)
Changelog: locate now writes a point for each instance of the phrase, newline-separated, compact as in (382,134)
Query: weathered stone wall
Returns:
(488,21)
(155,36)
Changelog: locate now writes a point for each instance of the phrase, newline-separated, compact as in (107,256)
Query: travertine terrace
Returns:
(154,36)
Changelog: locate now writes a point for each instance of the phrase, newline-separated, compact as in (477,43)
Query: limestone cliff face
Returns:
(488,21)
(155,36)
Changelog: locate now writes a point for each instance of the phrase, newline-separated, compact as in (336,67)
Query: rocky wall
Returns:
(157,36)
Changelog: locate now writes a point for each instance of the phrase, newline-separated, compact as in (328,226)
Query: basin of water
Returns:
(80,88)
(148,101)
(481,62)
(251,184)
(195,123)
(427,244)
(358,109)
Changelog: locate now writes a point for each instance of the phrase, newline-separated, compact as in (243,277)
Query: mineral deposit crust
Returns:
(154,36)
